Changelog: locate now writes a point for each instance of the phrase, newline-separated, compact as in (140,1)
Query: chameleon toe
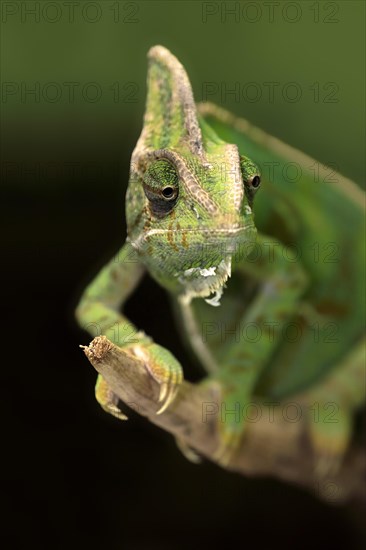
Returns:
(163,391)
(171,393)
(227,448)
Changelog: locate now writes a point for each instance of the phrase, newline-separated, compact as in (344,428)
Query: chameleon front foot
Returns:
(107,399)
(164,369)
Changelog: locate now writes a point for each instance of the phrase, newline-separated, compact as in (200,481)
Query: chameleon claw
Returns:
(327,465)
(168,390)
(172,392)
(116,412)
(164,369)
(163,391)
(230,435)
(187,451)
(227,448)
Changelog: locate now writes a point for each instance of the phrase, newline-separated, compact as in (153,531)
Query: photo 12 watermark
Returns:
(252,332)
(251,12)
(121,333)
(251,251)
(70,12)
(269,411)
(270,92)
(68,92)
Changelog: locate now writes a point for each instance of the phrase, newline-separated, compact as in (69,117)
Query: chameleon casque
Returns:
(271,307)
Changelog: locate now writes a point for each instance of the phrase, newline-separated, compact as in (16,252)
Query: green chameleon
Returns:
(291,320)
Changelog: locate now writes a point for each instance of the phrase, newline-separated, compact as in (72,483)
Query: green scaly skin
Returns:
(190,225)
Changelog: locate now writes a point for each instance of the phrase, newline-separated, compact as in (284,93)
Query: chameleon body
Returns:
(271,308)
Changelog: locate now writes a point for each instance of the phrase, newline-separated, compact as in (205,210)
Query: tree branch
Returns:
(272,445)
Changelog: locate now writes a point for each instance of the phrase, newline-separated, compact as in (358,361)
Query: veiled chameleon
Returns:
(291,317)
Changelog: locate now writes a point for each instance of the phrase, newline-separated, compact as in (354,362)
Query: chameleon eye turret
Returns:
(160,184)
(251,177)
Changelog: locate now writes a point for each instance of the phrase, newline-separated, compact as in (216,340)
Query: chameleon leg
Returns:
(282,285)
(98,313)
(330,408)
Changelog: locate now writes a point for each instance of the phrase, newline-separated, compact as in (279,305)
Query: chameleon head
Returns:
(188,203)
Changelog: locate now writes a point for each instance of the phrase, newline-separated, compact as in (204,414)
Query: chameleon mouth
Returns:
(205,280)
(202,282)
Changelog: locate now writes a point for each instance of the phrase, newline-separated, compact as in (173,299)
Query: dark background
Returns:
(73,476)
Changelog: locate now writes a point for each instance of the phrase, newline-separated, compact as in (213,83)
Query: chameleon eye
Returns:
(169,193)
(255,181)
(160,183)
(251,177)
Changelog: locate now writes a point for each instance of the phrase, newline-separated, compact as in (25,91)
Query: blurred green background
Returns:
(73,90)
(87,65)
